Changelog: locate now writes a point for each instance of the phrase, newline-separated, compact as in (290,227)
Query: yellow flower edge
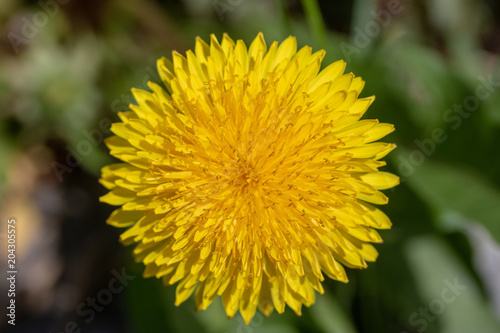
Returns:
(250,176)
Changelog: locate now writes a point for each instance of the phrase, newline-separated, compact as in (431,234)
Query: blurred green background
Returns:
(66,69)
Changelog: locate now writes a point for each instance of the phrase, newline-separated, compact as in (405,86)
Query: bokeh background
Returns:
(66,69)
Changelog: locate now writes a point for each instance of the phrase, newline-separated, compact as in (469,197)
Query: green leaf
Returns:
(424,77)
(449,293)
(330,317)
(445,187)
(147,310)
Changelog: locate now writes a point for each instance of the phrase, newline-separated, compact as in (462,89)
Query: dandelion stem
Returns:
(315,21)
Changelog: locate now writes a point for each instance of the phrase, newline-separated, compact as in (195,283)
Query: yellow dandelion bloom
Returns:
(250,176)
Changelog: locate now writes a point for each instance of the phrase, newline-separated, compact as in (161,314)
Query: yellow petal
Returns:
(166,70)
(286,50)
(257,47)
(182,292)
(361,105)
(121,219)
(118,196)
(380,180)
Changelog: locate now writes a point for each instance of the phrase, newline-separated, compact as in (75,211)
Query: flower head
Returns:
(251,176)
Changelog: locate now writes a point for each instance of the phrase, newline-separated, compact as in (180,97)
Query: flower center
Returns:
(251,177)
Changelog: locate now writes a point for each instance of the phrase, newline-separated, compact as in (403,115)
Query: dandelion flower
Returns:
(251,176)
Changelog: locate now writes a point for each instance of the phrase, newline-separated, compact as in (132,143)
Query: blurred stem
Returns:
(315,21)
(287,24)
